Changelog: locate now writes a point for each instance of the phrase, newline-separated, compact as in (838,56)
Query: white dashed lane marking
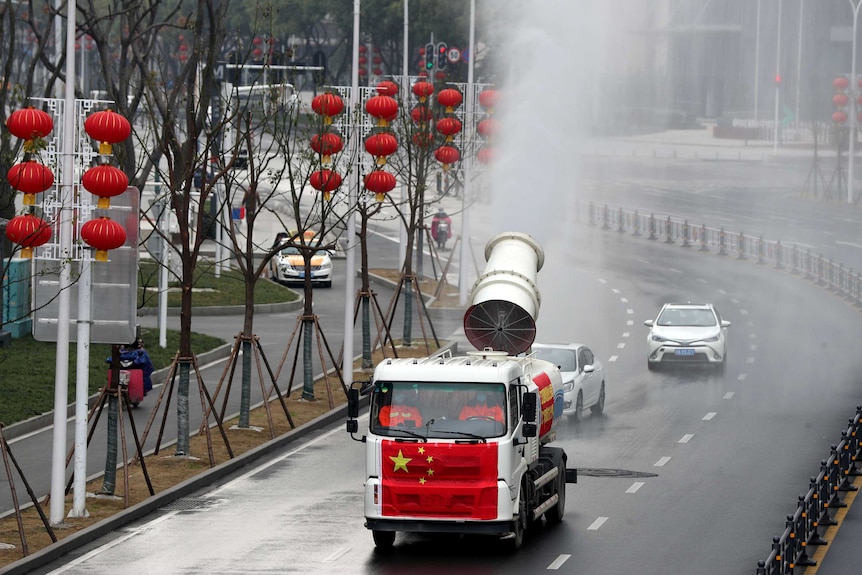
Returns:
(626,334)
(742,377)
(630,311)
(635,486)
(613,358)
(615,290)
(594,526)
(558,562)
(709,416)
(661,462)
(728,395)
(624,300)
(621,345)
(686,438)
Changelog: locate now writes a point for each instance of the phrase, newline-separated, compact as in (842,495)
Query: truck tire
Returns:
(383,539)
(555,514)
(518,529)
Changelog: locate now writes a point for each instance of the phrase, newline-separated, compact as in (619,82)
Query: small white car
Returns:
(288,266)
(686,333)
(582,373)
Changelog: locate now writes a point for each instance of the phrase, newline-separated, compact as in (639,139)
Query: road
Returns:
(687,470)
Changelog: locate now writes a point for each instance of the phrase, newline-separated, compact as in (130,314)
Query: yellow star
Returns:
(430,459)
(421,450)
(422,481)
(430,472)
(400,462)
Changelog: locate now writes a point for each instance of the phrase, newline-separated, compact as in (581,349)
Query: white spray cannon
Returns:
(505,299)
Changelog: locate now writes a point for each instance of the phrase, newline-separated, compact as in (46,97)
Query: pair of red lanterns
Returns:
(32,177)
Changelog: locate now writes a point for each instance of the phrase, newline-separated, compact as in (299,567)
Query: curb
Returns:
(144,508)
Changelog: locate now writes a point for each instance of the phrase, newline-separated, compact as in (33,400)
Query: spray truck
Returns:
(461,444)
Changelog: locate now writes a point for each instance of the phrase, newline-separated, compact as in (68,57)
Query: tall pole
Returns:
(61,377)
(777,80)
(466,192)
(757,61)
(352,194)
(854,89)
(799,57)
(405,100)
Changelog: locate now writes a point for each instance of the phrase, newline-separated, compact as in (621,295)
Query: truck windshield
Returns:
(471,411)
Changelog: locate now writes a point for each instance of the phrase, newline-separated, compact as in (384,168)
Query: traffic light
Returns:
(429,57)
(442,55)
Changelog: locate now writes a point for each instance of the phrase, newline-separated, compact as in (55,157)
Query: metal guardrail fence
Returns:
(802,527)
(835,278)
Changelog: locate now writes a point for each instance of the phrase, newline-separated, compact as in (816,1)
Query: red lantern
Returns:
(387,88)
(378,71)
(363,72)
(485,155)
(451,98)
(327,144)
(488,99)
(381,145)
(447,155)
(29,123)
(108,127)
(105,181)
(363,60)
(840,99)
(379,182)
(839,117)
(30,177)
(487,128)
(327,105)
(363,48)
(840,83)
(421,114)
(384,108)
(325,181)
(103,234)
(422,90)
(449,127)
(29,232)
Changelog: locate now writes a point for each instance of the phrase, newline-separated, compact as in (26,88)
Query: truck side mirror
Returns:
(529,407)
(352,403)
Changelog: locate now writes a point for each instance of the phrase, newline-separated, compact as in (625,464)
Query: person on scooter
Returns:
(441,228)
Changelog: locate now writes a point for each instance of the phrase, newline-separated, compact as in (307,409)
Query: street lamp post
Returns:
(855,4)
(777,80)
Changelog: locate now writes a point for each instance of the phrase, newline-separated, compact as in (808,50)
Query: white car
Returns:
(582,373)
(288,266)
(687,333)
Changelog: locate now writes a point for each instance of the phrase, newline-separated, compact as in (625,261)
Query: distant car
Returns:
(687,333)
(288,266)
(582,373)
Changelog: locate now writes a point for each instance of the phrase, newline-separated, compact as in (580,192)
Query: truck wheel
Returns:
(555,514)
(518,538)
(383,539)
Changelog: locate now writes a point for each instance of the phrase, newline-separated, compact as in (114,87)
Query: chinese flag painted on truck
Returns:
(445,480)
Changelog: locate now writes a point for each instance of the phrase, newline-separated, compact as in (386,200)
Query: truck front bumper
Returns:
(417,526)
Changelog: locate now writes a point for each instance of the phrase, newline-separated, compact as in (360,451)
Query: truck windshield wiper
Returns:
(411,433)
(463,434)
